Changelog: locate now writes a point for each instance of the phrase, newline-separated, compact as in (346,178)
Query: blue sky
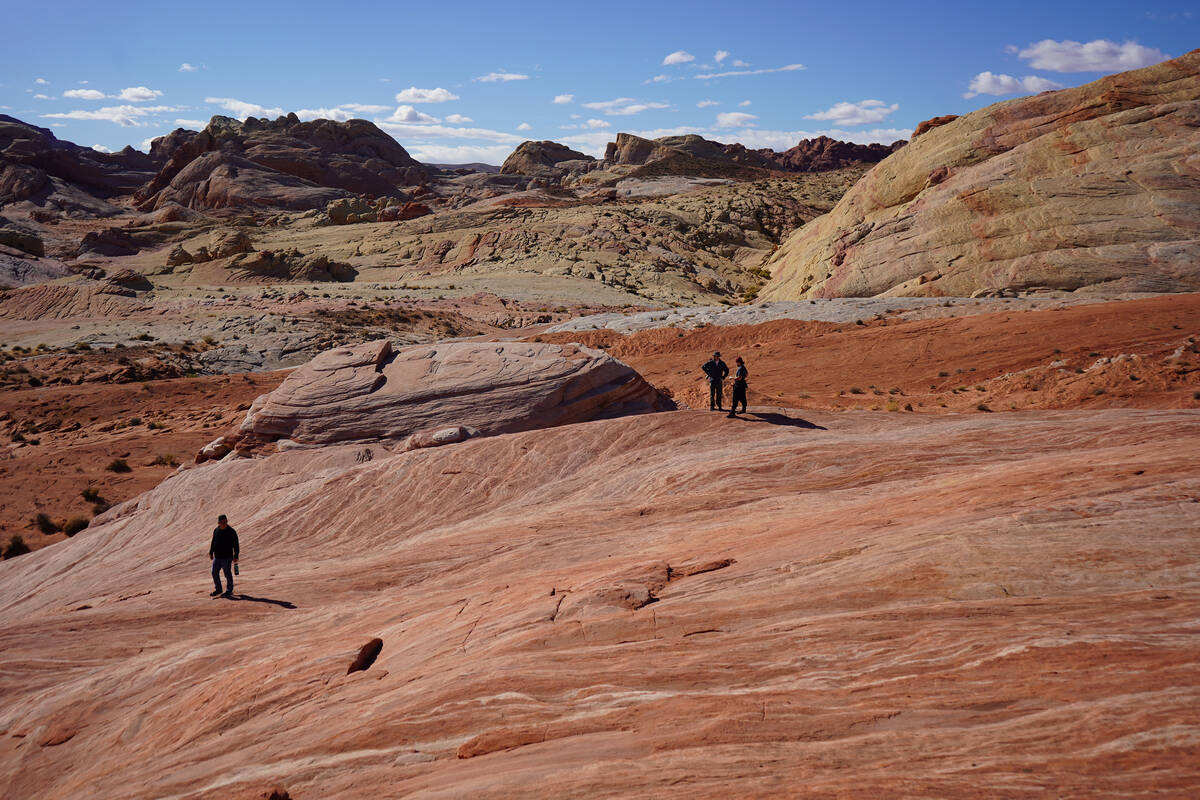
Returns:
(467,81)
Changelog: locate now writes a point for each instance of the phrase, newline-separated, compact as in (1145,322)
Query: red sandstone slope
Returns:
(882,605)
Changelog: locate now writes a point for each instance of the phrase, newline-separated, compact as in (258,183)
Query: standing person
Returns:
(717,371)
(224,553)
(740,374)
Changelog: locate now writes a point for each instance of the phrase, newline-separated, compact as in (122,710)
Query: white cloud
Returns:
(125,116)
(658,79)
(620,101)
(191,123)
(782,140)
(577,116)
(860,113)
(524,126)
(407,113)
(744,103)
(492,77)
(341,113)
(99,148)
(732,119)
(458,119)
(84,94)
(41,82)
(1100,55)
(42,97)
(241,109)
(145,145)
(186,67)
(679,57)
(707,103)
(414,95)
(418,133)
(720,56)
(737,62)
(137,94)
(563,99)
(991,83)
(459,154)
(786,68)
(598,123)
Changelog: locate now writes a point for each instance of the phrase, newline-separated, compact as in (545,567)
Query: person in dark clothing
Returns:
(740,374)
(717,371)
(224,553)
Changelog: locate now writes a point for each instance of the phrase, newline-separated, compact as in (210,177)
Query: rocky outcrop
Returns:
(823,154)
(369,393)
(90,299)
(1095,188)
(930,124)
(284,163)
(546,160)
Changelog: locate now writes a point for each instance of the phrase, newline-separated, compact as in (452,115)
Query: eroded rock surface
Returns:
(370,393)
(1096,187)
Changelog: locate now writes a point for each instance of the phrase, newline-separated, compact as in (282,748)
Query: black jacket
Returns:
(715,369)
(224,543)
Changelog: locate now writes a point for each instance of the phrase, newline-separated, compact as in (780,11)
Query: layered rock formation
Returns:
(38,167)
(370,393)
(1095,188)
(873,605)
(545,160)
(822,154)
(283,163)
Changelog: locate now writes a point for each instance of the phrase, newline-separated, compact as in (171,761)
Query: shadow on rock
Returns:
(775,418)
(251,598)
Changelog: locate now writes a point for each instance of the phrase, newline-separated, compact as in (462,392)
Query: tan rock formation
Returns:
(667,604)
(61,301)
(542,160)
(1096,187)
(370,393)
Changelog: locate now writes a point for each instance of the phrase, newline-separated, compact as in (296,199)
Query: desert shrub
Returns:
(100,507)
(16,547)
(44,524)
(74,525)
(91,494)
(35,381)
(855,390)
(166,460)
(983,407)
(134,422)
(943,374)
(1099,392)
(143,337)
(119,465)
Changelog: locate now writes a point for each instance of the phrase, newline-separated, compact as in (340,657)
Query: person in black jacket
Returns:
(740,374)
(717,371)
(224,553)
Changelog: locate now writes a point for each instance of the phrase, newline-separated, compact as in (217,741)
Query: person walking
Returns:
(740,373)
(224,554)
(717,371)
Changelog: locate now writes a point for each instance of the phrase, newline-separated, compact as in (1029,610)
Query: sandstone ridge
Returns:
(1095,188)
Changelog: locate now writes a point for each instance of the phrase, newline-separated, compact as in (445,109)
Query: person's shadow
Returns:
(251,598)
(775,418)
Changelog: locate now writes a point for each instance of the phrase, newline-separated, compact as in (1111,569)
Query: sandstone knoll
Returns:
(282,163)
(371,393)
(824,153)
(542,159)
(1094,188)
(856,604)
(60,177)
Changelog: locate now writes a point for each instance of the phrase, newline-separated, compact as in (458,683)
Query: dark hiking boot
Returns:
(214,593)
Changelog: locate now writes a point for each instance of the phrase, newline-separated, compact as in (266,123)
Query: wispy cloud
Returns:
(707,103)
(997,84)
(744,103)
(340,113)
(191,123)
(493,77)
(563,99)
(99,148)
(242,109)
(84,94)
(1100,55)
(603,104)
(737,62)
(597,124)
(624,106)
(658,79)
(678,57)
(459,154)
(414,95)
(41,81)
(125,116)
(186,67)
(524,126)
(458,119)
(732,119)
(137,94)
(732,73)
(860,113)
(720,56)
(42,97)
(406,131)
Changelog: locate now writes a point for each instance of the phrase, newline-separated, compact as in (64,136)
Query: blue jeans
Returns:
(226,565)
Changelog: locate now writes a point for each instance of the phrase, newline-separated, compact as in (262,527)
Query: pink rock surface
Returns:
(666,604)
(368,392)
